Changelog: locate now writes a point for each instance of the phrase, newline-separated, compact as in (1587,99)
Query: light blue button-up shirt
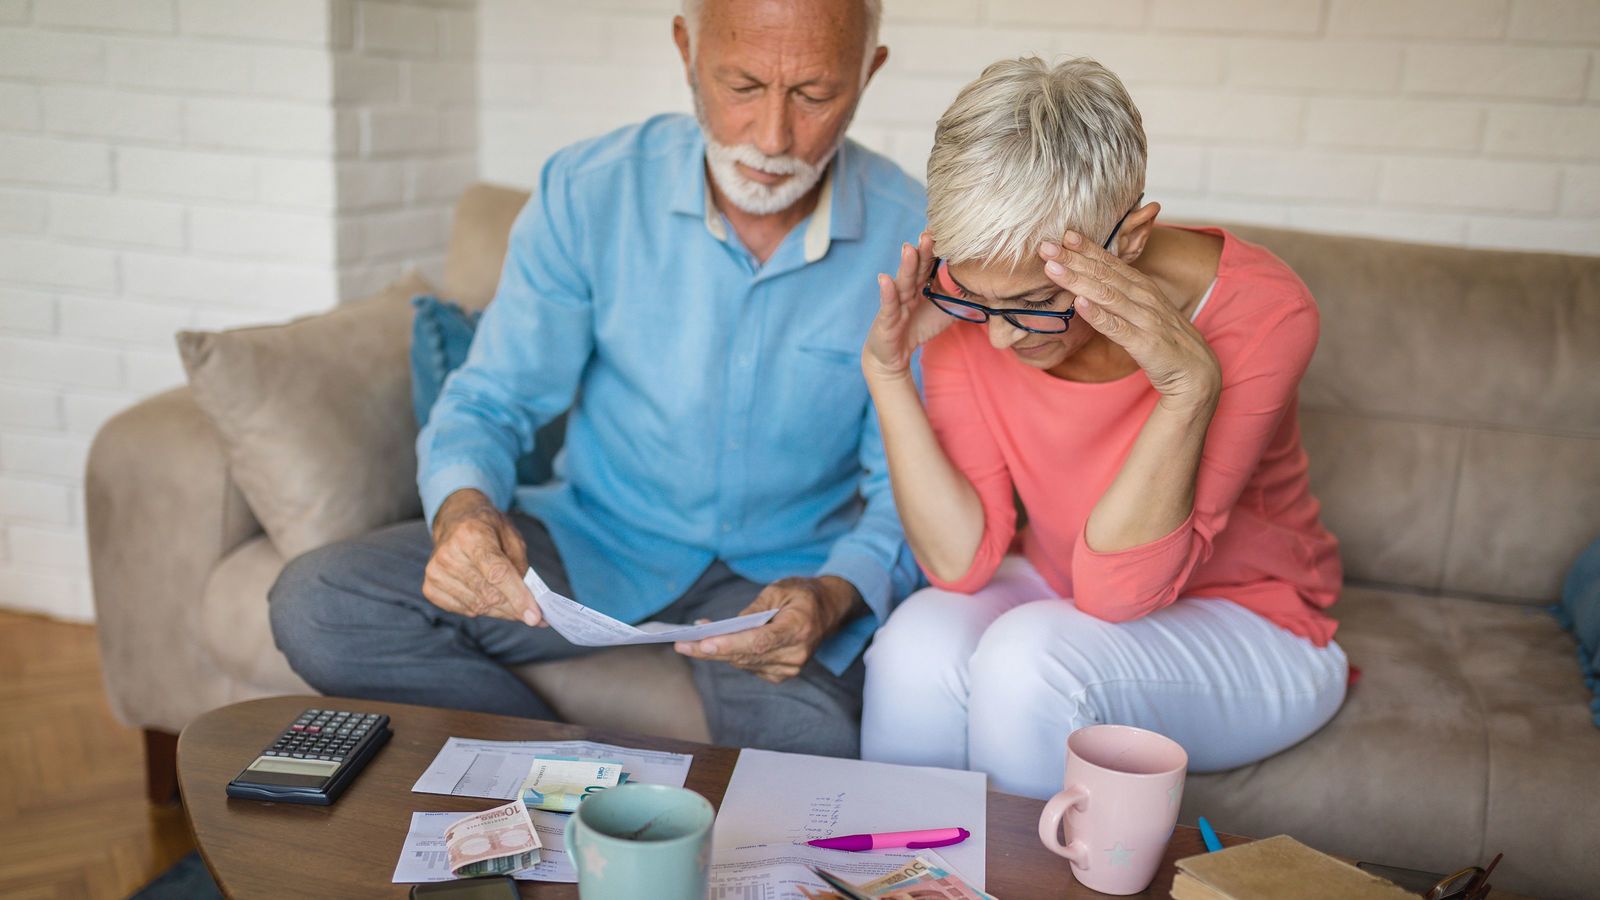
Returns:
(721,411)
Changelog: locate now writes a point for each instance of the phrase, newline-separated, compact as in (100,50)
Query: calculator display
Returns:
(293,766)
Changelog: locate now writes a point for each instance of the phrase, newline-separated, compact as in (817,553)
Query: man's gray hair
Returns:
(691,15)
(1029,150)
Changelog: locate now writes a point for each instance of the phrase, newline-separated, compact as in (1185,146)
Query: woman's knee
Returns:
(928,633)
(1044,644)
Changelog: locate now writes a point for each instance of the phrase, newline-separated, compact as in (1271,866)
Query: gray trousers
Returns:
(352,620)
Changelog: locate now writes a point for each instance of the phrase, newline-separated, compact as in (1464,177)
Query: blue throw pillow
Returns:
(441,333)
(1579,612)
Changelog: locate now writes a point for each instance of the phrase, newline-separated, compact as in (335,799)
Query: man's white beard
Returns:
(754,197)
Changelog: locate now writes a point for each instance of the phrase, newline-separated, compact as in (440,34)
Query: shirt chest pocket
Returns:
(821,401)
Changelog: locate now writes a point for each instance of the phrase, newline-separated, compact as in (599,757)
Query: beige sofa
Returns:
(1452,414)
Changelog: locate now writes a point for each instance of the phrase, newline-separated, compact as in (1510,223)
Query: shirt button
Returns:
(727,527)
(733,445)
(744,362)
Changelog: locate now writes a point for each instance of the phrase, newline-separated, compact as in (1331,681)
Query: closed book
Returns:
(1277,867)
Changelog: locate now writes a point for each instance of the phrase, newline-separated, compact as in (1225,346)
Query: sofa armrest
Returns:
(162,511)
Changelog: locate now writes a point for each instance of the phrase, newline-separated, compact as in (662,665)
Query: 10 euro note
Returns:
(496,841)
(560,783)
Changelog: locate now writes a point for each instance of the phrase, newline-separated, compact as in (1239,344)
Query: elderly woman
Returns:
(1128,389)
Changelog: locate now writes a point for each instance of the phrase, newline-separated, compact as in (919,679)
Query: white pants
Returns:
(995,681)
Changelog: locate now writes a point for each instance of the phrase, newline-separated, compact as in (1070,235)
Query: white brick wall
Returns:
(1447,121)
(168,164)
(407,81)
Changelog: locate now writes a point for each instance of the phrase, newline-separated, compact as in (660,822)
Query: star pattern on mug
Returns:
(1174,794)
(594,861)
(1119,855)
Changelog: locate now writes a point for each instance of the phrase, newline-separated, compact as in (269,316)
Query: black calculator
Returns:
(314,759)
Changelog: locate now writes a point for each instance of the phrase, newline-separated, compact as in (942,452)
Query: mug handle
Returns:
(1054,816)
(570,842)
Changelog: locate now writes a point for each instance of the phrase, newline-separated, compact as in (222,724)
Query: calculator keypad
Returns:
(324,734)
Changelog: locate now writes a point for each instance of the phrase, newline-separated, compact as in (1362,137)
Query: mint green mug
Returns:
(641,842)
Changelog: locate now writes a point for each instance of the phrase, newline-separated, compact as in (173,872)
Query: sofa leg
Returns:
(161,766)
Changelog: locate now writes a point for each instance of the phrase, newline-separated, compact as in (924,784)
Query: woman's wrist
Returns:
(879,374)
(1197,399)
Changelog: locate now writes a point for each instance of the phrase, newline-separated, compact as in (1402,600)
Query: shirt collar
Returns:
(838,215)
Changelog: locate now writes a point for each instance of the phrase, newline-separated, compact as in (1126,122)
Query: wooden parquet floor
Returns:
(74,821)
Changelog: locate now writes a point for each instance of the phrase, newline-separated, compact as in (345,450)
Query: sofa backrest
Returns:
(478,243)
(1452,411)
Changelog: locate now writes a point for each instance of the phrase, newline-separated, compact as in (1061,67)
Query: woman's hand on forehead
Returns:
(1131,310)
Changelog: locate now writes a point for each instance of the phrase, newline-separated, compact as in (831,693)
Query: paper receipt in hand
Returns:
(496,841)
(590,628)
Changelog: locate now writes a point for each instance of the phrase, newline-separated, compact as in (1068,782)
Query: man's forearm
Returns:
(844,601)
(459,504)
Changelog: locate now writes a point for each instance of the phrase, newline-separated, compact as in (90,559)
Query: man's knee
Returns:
(319,612)
(814,712)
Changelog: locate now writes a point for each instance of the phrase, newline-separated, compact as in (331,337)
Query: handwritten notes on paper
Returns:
(775,798)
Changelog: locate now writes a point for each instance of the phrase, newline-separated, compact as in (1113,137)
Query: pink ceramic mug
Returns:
(1120,802)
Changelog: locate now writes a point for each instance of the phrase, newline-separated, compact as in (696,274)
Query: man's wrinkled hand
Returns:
(477,562)
(809,609)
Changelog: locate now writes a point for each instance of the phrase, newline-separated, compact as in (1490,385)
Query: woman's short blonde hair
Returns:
(1029,150)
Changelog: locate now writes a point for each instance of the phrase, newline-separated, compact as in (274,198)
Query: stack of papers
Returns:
(775,802)
(495,770)
(785,799)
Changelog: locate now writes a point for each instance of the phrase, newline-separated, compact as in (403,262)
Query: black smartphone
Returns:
(489,887)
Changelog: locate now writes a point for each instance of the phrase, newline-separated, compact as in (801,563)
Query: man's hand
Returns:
(809,609)
(477,562)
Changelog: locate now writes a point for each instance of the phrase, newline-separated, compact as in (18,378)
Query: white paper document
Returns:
(591,628)
(423,857)
(784,798)
(494,770)
(779,871)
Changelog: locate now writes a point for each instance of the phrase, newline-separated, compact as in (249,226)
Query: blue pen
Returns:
(1209,835)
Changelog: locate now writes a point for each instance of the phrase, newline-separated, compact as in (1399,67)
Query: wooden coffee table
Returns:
(350,848)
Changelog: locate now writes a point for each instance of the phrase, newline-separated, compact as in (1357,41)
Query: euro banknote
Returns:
(920,879)
(559,783)
(496,841)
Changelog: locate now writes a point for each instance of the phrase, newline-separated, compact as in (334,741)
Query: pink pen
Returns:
(883,840)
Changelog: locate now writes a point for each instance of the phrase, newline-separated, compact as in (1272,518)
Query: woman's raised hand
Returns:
(905,322)
(1129,308)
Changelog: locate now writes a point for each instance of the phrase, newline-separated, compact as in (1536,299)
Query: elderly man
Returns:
(703,291)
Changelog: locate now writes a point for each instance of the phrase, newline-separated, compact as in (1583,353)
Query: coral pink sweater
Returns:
(1254,536)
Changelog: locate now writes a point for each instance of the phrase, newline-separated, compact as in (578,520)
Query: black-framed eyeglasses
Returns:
(1038,321)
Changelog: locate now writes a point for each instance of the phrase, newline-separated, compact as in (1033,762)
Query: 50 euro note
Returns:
(560,783)
(496,841)
(920,879)
(946,887)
